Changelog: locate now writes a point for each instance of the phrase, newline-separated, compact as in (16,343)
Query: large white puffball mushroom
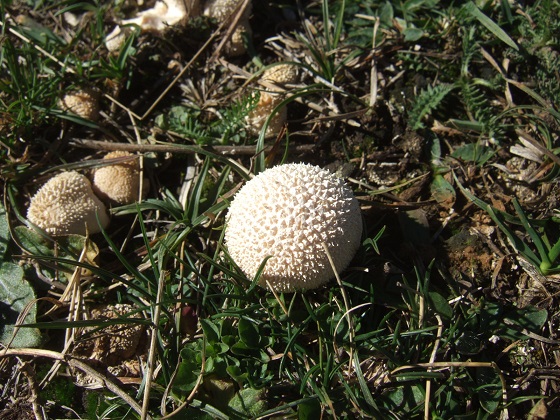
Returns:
(118,183)
(287,213)
(66,204)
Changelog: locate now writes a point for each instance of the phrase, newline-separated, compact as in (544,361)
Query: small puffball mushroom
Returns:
(265,106)
(120,182)
(66,204)
(270,99)
(114,343)
(287,213)
(221,10)
(236,45)
(281,74)
(84,103)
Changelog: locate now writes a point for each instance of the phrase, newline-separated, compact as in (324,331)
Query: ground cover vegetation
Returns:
(441,116)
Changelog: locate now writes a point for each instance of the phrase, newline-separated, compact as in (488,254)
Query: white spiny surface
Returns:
(65,204)
(287,213)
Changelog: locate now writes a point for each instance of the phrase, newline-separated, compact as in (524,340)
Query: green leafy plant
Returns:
(229,128)
(17,297)
(426,102)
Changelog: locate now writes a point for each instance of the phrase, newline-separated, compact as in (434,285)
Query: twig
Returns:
(181,149)
(29,373)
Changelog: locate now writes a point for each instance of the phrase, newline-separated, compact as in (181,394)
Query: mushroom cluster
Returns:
(68,204)
(286,216)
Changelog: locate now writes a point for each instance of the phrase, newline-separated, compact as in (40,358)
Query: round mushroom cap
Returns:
(84,103)
(281,74)
(65,204)
(120,182)
(287,213)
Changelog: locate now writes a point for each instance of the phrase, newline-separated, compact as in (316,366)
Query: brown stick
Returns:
(181,149)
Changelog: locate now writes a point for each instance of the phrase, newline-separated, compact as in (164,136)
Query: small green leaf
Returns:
(211,331)
(442,191)
(248,403)
(15,295)
(187,375)
(215,349)
(309,410)
(473,152)
(386,14)
(413,34)
(405,398)
(440,305)
(489,389)
(492,26)
(248,333)
(32,242)
(237,374)
(529,318)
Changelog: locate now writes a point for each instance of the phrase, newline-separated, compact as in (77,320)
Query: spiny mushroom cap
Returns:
(287,213)
(281,74)
(119,182)
(84,103)
(116,342)
(66,204)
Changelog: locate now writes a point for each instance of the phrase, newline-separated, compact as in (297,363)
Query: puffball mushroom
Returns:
(84,103)
(119,182)
(268,100)
(221,10)
(65,204)
(288,213)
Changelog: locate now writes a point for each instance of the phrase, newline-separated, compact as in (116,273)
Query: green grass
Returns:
(418,327)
